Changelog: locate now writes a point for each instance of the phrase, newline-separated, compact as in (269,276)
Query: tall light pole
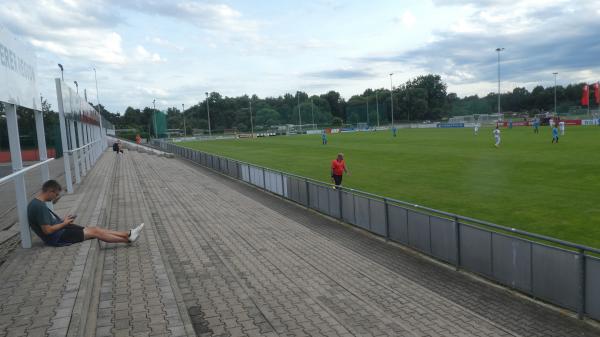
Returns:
(299,114)
(555,73)
(499,50)
(392,98)
(97,95)
(62,76)
(208,114)
(154,118)
(251,122)
(312,111)
(367,111)
(183,113)
(377,103)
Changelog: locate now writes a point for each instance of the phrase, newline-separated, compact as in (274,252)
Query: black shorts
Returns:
(71,234)
(337,179)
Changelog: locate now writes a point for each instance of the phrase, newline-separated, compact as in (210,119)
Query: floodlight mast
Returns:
(499,50)
(392,98)
(555,73)
(208,113)
(183,113)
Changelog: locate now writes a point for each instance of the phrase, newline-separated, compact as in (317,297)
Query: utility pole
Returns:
(499,50)
(377,102)
(154,118)
(208,113)
(251,122)
(299,114)
(183,113)
(312,111)
(367,111)
(392,98)
(555,73)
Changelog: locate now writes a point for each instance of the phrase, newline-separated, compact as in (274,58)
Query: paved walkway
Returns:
(220,258)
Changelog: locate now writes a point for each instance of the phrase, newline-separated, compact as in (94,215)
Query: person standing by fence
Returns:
(338,168)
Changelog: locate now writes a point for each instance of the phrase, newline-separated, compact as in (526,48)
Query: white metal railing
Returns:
(24,170)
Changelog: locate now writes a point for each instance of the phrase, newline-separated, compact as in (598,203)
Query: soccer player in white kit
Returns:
(476,128)
(561,126)
(497,136)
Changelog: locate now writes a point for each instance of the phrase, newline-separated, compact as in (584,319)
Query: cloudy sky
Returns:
(174,51)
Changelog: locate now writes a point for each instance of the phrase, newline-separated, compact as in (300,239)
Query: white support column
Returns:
(81,152)
(95,146)
(75,154)
(17,164)
(41,139)
(86,140)
(63,136)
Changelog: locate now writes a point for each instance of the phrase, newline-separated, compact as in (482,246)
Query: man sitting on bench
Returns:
(55,231)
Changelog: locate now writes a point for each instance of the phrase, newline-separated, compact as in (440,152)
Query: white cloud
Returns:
(144,55)
(408,19)
(165,43)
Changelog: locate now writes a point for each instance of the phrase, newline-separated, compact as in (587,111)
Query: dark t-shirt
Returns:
(38,215)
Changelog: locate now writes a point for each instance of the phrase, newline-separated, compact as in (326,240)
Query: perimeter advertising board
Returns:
(17,72)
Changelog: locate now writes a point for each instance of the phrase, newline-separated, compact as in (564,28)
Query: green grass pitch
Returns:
(527,183)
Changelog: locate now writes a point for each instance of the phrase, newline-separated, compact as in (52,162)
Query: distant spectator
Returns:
(55,231)
(338,168)
(117,147)
(554,134)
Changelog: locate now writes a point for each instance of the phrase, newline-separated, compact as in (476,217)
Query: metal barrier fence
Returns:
(560,272)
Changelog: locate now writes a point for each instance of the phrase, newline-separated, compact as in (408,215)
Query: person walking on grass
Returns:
(338,168)
(55,231)
(324,138)
(497,136)
(554,134)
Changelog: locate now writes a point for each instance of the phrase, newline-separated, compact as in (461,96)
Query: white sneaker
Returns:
(134,234)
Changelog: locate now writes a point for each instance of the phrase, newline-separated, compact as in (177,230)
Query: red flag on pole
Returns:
(597,92)
(585,97)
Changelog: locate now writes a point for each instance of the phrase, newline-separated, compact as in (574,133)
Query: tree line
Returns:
(422,98)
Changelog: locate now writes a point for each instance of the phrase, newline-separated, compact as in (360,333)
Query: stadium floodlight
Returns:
(183,113)
(392,98)
(154,118)
(97,95)
(299,114)
(499,50)
(208,114)
(62,76)
(251,122)
(555,73)
(377,103)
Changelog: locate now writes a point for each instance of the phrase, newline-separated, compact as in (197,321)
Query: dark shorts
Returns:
(70,234)
(337,179)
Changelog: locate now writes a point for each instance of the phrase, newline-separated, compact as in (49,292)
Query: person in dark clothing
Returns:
(56,231)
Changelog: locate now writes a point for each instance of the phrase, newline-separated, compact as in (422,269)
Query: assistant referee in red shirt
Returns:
(338,168)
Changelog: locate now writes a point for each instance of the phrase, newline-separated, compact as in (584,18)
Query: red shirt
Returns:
(338,167)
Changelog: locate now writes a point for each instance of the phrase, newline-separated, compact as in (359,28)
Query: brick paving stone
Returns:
(225,241)
(219,258)
(48,278)
(134,283)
